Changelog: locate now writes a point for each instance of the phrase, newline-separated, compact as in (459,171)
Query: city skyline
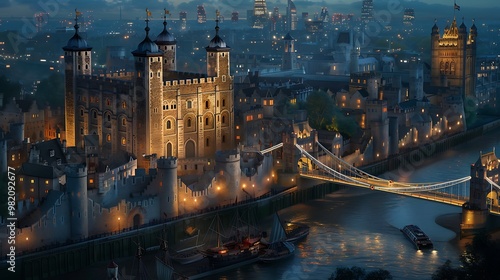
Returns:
(111,8)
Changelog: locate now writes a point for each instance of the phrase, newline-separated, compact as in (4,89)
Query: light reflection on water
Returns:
(355,227)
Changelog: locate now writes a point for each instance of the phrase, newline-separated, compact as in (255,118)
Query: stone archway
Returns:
(136,217)
(169,149)
(190,149)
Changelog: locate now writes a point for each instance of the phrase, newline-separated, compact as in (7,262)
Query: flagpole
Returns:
(454,8)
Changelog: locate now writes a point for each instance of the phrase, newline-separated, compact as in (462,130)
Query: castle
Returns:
(139,147)
(156,110)
(453,57)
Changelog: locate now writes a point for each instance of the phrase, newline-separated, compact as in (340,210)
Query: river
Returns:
(357,227)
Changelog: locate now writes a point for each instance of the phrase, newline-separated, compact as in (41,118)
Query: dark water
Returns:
(354,227)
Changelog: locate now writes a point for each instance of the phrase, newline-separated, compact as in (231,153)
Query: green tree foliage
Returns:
(480,261)
(50,91)
(9,89)
(320,109)
(324,114)
(358,273)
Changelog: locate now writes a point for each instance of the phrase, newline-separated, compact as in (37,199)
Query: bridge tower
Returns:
(291,154)
(475,212)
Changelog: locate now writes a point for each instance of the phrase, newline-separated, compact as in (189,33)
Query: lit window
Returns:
(46,182)
(91,181)
(32,190)
(124,141)
(32,181)
(108,137)
(21,179)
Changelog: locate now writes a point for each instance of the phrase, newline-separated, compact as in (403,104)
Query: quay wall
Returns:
(51,263)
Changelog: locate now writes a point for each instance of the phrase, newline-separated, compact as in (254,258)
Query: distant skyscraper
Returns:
(408,17)
(324,16)
(367,11)
(291,16)
(202,15)
(260,15)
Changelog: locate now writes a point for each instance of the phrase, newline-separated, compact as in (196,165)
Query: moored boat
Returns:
(417,237)
(277,248)
(295,231)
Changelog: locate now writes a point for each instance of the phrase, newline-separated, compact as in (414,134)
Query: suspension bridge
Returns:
(326,166)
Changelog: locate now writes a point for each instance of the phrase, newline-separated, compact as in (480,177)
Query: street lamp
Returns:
(119,224)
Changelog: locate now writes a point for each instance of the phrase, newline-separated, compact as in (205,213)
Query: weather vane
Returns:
(77,14)
(148,14)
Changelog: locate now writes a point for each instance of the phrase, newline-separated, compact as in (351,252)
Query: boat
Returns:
(237,249)
(417,237)
(277,248)
(190,248)
(295,231)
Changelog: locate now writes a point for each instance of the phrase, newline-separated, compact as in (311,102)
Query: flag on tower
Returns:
(457,7)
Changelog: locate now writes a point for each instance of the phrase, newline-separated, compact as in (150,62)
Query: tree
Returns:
(480,260)
(320,109)
(447,272)
(50,91)
(379,274)
(9,89)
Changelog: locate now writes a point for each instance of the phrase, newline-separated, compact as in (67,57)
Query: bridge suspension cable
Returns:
(367,180)
(270,149)
(492,183)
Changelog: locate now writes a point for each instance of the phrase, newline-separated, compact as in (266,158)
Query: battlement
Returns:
(194,81)
(76,170)
(167,163)
(227,156)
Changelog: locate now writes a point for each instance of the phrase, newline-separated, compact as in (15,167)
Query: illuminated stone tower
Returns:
(166,43)
(78,61)
(221,107)
(148,99)
(289,57)
(453,57)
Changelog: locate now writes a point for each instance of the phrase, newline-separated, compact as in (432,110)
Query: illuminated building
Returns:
(156,110)
(453,57)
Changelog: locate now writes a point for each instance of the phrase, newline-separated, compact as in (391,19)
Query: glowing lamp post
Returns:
(119,227)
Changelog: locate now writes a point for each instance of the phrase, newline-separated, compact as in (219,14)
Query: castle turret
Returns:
(218,55)
(76,189)
(148,99)
(77,60)
(289,58)
(228,167)
(167,172)
(166,43)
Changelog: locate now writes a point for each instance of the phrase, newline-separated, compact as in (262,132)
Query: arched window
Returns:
(108,137)
(124,121)
(189,122)
(169,124)
(189,104)
(223,102)
(206,121)
(124,105)
(94,114)
(124,141)
(223,119)
(108,117)
(207,104)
